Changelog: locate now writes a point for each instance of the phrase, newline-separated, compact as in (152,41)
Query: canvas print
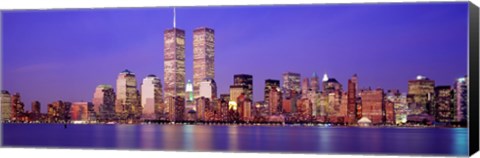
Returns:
(378,78)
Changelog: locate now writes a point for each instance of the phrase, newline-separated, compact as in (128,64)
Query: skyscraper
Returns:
(104,102)
(461,99)
(420,95)
(373,105)
(400,105)
(174,62)
(331,85)
(35,107)
(291,84)
(444,110)
(152,97)
(244,80)
(127,98)
(17,107)
(314,83)
(352,100)
(189,97)
(203,57)
(81,112)
(208,88)
(269,84)
(305,87)
(275,101)
(6,105)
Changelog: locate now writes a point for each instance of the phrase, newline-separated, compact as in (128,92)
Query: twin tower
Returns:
(174,60)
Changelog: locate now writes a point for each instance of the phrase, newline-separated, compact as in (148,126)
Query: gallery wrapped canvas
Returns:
(373,78)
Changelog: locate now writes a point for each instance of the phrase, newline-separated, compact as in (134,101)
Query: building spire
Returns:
(174,18)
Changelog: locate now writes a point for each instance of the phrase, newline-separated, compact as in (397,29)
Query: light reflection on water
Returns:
(411,141)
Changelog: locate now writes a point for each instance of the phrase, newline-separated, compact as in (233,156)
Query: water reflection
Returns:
(233,138)
(147,136)
(124,136)
(203,138)
(460,140)
(420,141)
(188,135)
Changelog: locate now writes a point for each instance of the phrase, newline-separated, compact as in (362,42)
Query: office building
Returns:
(203,57)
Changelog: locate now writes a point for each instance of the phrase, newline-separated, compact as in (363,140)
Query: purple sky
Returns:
(64,54)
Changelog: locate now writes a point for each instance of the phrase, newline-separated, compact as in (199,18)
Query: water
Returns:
(338,140)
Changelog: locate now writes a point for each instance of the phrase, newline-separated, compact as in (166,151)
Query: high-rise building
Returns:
(461,99)
(275,101)
(373,105)
(82,112)
(201,105)
(35,107)
(18,110)
(208,88)
(305,87)
(236,91)
(58,111)
(35,114)
(291,84)
(127,98)
(314,83)
(400,105)
(203,56)
(174,63)
(352,100)
(331,85)
(444,110)
(176,108)
(244,80)
(152,97)
(269,83)
(390,117)
(244,108)
(104,102)
(6,106)
(420,95)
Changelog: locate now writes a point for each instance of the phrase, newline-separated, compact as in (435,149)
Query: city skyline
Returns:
(227,57)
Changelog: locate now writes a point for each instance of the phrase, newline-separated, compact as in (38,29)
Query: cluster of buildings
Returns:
(294,100)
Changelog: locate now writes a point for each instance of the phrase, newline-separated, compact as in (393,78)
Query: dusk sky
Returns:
(51,55)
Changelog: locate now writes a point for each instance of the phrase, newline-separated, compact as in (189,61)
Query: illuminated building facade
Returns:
(400,105)
(208,88)
(269,84)
(331,86)
(18,110)
(81,112)
(373,105)
(174,62)
(315,83)
(444,104)
(127,99)
(305,87)
(291,84)
(203,57)
(275,101)
(352,100)
(152,97)
(236,91)
(390,117)
(201,106)
(244,80)
(461,99)
(58,111)
(35,114)
(420,95)
(104,102)
(244,108)
(6,106)
(175,107)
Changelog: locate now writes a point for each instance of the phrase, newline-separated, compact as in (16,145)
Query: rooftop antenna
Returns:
(174,18)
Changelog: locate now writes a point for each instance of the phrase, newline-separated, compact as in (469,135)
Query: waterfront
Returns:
(234,138)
